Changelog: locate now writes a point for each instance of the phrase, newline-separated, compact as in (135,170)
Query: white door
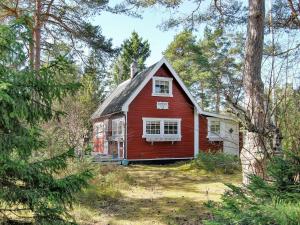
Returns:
(231,138)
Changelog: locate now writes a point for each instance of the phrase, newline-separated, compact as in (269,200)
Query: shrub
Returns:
(217,162)
(275,201)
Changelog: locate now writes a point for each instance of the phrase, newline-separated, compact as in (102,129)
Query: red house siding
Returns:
(144,105)
(204,143)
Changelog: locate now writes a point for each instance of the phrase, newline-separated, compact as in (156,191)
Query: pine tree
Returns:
(224,65)
(188,60)
(132,49)
(32,188)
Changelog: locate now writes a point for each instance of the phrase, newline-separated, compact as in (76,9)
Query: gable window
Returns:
(162,129)
(162,86)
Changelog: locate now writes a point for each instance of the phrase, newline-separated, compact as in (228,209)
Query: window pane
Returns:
(152,127)
(171,127)
(120,127)
(215,127)
(162,87)
(114,127)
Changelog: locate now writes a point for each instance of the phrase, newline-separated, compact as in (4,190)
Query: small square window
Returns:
(162,86)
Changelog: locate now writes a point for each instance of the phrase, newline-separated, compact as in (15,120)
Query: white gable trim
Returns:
(150,75)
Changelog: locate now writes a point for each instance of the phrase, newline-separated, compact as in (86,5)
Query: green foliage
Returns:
(275,201)
(183,51)
(209,67)
(217,162)
(224,53)
(132,49)
(288,116)
(32,189)
(67,22)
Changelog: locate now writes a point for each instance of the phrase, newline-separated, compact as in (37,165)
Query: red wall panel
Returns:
(144,105)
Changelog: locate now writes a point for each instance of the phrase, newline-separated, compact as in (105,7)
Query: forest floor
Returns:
(149,194)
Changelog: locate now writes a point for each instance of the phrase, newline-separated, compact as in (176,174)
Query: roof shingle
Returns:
(114,102)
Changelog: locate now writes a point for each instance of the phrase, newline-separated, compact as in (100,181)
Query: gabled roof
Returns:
(115,101)
(124,94)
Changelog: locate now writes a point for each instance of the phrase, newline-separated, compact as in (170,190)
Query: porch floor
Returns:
(106,159)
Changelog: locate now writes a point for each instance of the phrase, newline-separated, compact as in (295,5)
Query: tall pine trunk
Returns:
(37,35)
(253,153)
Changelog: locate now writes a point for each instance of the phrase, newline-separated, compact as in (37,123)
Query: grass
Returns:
(149,194)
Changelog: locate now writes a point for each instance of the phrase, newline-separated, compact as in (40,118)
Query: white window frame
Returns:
(169,79)
(162,136)
(116,134)
(162,105)
(212,136)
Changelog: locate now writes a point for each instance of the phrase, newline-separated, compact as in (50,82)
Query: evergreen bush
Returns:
(274,201)
(217,162)
(32,189)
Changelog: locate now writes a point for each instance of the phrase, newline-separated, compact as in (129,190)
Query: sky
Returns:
(119,28)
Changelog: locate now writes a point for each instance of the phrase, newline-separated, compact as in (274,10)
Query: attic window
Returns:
(162,86)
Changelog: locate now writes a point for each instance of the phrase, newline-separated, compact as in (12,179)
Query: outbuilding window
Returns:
(162,86)
(162,129)
(214,126)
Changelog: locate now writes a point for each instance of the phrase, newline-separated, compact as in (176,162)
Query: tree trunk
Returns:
(37,35)
(254,152)
(218,100)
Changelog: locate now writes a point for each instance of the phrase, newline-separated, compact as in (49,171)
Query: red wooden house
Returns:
(153,116)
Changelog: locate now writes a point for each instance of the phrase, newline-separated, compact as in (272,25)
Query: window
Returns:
(215,127)
(162,129)
(162,105)
(171,127)
(118,127)
(98,129)
(114,128)
(162,86)
(152,127)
